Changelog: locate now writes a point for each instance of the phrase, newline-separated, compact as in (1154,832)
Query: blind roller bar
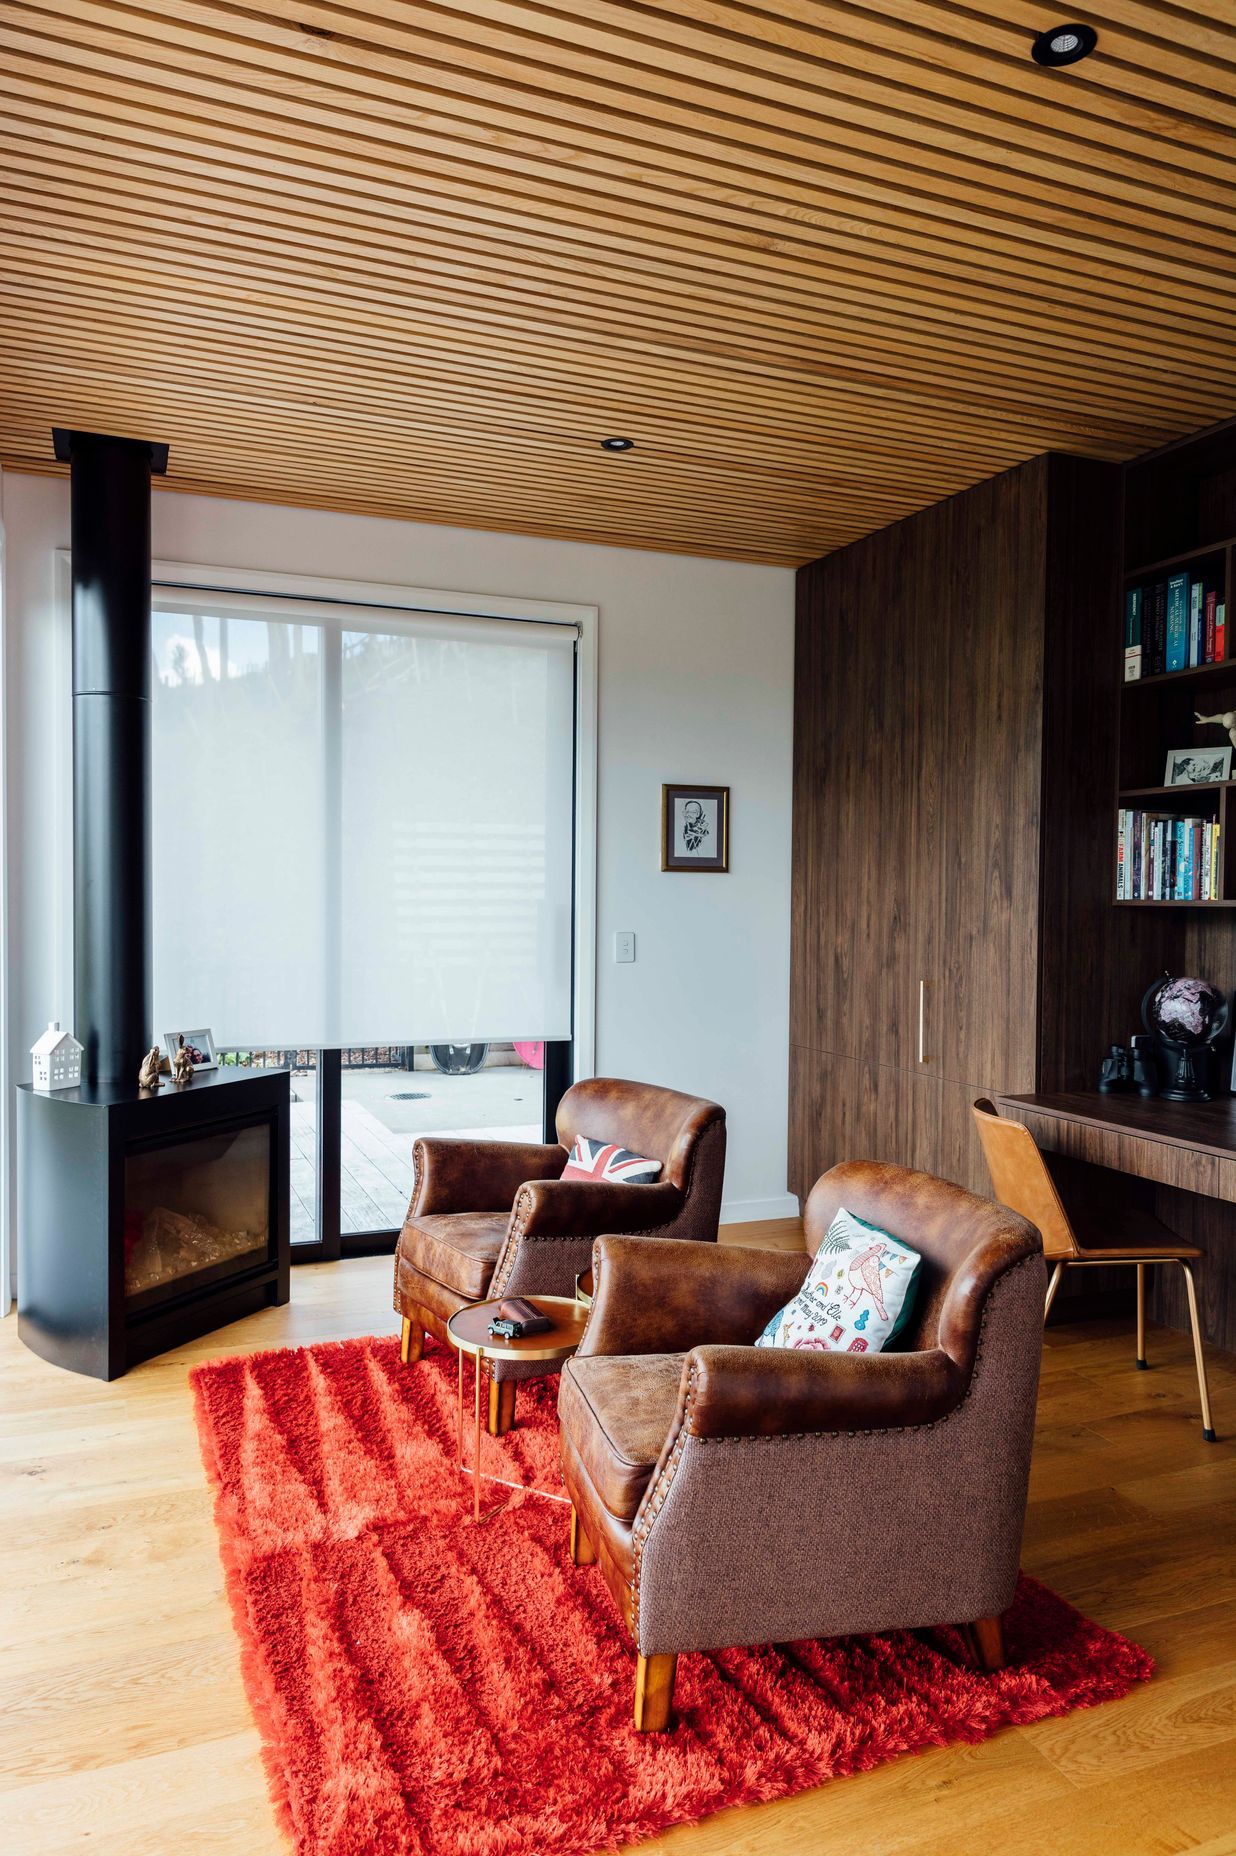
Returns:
(396,621)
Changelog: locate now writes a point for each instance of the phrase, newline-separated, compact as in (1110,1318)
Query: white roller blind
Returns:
(362,823)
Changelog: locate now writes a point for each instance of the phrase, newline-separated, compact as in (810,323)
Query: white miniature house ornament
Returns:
(57,1059)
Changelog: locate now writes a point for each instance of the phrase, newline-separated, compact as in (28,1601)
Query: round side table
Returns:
(468,1330)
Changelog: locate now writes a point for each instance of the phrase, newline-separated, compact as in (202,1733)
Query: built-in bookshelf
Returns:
(1175,804)
(1175,615)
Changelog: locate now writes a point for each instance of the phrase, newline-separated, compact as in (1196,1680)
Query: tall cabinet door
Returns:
(853,894)
(980,973)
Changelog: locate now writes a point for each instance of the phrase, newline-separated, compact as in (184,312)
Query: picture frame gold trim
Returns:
(718,865)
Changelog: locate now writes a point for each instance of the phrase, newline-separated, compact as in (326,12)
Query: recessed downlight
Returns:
(1064,44)
(617,444)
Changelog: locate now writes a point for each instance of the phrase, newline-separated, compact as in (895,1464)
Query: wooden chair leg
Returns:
(501,1406)
(411,1341)
(1208,1429)
(1052,1286)
(583,1553)
(1141,1316)
(987,1640)
(654,1693)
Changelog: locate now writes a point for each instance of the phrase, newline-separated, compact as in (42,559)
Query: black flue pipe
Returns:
(110,479)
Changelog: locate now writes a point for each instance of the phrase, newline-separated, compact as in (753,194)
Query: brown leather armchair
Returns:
(490,1218)
(737,1495)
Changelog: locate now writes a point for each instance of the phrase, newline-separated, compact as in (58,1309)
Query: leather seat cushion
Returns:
(458,1249)
(618,1410)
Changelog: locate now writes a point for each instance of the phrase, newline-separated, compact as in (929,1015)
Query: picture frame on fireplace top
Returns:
(199,1044)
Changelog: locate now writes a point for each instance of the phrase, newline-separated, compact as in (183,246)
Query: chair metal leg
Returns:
(1052,1286)
(654,1693)
(1141,1316)
(1208,1431)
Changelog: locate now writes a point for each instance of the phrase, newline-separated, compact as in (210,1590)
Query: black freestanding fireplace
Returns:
(144,1218)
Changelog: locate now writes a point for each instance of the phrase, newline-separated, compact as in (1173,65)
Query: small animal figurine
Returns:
(148,1075)
(1226,720)
(182,1063)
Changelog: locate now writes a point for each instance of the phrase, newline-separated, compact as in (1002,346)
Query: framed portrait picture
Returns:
(199,1044)
(1198,766)
(695,828)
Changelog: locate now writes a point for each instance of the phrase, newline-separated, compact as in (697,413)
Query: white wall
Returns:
(696,675)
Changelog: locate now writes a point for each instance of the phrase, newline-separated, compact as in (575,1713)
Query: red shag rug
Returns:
(425,1687)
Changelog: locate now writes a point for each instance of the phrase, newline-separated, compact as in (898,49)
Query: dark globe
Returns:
(1190,1013)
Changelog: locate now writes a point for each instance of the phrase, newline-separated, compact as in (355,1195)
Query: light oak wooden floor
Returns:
(124,1729)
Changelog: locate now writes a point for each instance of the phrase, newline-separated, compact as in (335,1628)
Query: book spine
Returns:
(1133,634)
(1195,860)
(1220,631)
(1204,864)
(1208,648)
(1158,634)
(1139,854)
(1196,609)
(1156,861)
(1176,647)
(1215,890)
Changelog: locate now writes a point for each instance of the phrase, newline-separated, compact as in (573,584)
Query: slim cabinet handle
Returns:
(922,1021)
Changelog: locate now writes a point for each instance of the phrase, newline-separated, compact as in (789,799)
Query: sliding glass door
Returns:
(363,832)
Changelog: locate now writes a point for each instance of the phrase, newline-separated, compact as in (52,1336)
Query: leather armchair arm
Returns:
(663,1295)
(478,1176)
(549,1239)
(780,1391)
(585,1207)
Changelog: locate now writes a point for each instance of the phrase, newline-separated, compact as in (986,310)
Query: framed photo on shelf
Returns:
(695,828)
(199,1044)
(1197,766)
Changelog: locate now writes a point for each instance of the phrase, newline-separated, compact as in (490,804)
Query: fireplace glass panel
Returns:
(202,1203)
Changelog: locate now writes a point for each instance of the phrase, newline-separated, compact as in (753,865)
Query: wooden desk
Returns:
(1191,1145)
(1186,1151)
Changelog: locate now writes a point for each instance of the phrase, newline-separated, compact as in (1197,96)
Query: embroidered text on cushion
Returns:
(858,1296)
(605,1160)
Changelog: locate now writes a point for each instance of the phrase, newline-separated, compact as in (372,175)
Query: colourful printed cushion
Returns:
(858,1296)
(603,1160)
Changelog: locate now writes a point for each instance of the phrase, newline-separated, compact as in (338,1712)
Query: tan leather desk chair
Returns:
(1020,1180)
(494,1218)
(734,1494)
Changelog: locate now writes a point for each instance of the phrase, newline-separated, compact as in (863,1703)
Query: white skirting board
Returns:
(755,1211)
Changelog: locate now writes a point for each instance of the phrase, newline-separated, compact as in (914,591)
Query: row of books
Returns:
(1173,625)
(1162,858)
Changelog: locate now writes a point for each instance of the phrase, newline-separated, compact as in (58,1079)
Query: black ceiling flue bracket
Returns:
(62,447)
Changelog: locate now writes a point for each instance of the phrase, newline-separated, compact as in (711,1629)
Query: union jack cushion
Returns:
(603,1160)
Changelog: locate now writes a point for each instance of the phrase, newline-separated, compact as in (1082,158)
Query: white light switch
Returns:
(624,945)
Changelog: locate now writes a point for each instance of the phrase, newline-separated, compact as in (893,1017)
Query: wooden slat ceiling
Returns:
(825,262)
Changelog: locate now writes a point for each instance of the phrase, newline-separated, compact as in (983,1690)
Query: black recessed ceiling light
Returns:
(1064,44)
(617,444)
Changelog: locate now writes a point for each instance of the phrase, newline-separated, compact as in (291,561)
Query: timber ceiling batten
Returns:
(825,263)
